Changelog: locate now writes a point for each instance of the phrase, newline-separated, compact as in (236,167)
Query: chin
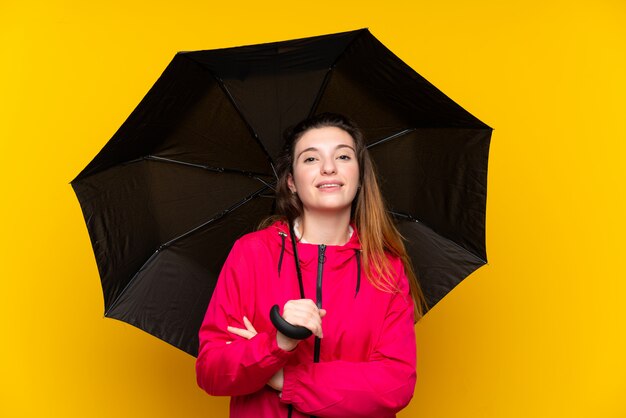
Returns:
(338,208)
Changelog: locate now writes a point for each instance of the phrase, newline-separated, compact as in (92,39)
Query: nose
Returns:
(328,166)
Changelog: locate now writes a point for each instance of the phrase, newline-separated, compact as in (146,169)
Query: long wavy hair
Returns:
(377,232)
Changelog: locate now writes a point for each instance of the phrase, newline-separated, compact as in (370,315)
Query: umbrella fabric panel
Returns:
(185,116)
(439,177)
(440,264)
(379,91)
(169,296)
(131,210)
(159,302)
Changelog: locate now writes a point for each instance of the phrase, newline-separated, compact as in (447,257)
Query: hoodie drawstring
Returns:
(357,255)
(282,251)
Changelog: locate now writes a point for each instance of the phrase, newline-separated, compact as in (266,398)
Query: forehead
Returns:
(328,137)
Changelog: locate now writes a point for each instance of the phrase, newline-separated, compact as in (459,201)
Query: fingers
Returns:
(248,325)
(305,313)
(241,332)
(247,333)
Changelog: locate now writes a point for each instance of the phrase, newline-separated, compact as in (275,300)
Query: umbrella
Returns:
(191,170)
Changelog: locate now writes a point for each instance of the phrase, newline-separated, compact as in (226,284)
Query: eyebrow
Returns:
(336,148)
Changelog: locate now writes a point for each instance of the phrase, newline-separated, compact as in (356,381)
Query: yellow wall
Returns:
(539,332)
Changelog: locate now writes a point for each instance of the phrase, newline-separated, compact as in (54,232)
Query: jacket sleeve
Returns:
(379,387)
(242,366)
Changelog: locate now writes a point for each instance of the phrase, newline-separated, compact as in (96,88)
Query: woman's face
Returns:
(325,170)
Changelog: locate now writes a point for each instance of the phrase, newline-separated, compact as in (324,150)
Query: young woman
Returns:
(334,243)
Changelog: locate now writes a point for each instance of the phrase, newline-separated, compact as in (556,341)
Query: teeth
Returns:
(329,185)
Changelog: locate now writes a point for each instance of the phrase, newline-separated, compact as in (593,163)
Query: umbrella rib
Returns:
(181,236)
(215,217)
(322,89)
(255,135)
(222,85)
(410,218)
(250,174)
(329,73)
(389,138)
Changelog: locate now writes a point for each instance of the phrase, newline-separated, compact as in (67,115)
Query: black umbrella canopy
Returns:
(191,170)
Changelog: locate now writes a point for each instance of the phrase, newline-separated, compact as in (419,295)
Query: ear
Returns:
(290,183)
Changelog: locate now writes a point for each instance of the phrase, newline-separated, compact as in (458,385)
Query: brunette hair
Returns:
(377,232)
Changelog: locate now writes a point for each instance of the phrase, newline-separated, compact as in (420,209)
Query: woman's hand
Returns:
(302,312)
(276,381)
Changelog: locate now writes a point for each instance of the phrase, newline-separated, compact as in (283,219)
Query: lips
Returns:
(328,185)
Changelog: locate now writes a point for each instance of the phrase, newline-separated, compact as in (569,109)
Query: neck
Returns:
(320,228)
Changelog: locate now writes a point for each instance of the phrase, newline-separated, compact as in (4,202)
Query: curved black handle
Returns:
(292,331)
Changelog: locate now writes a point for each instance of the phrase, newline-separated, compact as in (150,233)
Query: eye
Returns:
(309,159)
(345,157)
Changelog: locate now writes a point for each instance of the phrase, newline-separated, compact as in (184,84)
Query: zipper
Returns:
(321,258)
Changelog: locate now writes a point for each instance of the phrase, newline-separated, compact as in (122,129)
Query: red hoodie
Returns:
(367,364)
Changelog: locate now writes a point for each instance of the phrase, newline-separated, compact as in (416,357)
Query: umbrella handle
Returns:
(292,331)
